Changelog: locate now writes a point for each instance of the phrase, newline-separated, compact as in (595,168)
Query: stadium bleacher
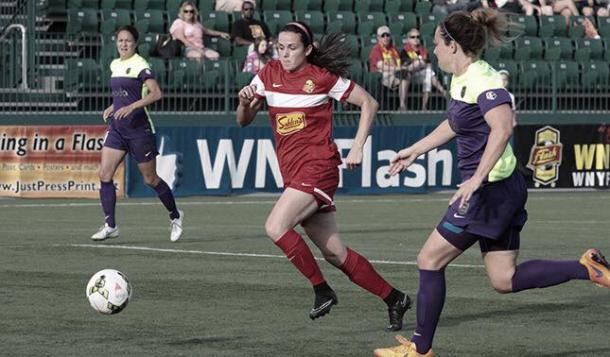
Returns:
(546,54)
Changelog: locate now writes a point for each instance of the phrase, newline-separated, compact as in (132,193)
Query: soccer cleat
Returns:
(405,349)
(105,232)
(175,227)
(598,267)
(397,311)
(323,303)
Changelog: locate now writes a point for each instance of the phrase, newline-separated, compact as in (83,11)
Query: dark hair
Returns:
(132,30)
(247,2)
(265,57)
(474,31)
(333,53)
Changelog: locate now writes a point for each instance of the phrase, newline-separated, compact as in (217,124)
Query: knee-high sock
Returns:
(430,301)
(545,273)
(361,272)
(108,198)
(300,256)
(167,198)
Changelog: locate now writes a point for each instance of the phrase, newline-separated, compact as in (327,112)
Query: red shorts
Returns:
(319,179)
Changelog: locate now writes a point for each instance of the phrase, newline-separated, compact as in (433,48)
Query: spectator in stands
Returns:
(231,6)
(593,7)
(416,68)
(444,7)
(565,8)
(510,6)
(256,60)
(245,30)
(505,80)
(384,58)
(590,30)
(190,31)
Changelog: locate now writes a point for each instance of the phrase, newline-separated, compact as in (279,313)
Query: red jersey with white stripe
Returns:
(300,109)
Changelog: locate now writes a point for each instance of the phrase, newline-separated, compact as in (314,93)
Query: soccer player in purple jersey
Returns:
(131,130)
(489,206)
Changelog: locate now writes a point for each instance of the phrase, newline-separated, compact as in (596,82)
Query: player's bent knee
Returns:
(151,180)
(502,286)
(274,231)
(105,176)
(428,262)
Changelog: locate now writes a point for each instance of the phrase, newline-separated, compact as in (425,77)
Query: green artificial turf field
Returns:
(225,289)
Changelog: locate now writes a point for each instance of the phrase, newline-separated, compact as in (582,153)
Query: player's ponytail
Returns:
(473,31)
(332,53)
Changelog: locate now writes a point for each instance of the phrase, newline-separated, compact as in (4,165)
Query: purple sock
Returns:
(167,198)
(545,273)
(430,301)
(108,198)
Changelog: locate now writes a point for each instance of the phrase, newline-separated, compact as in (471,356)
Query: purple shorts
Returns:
(494,216)
(141,149)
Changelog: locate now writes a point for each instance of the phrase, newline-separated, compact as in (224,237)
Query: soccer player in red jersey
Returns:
(298,89)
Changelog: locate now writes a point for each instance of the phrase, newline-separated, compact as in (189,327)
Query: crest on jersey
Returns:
(288,123)
(128,70)
(463,92)
(309,86)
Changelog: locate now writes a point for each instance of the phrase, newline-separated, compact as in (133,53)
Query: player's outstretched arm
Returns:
(248,106)
(368,109)
(405,157)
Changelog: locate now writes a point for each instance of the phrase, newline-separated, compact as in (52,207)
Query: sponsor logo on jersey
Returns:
(309,86)
(545,156)
(288,123)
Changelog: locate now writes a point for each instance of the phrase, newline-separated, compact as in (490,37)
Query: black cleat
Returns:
(397,311)
(323,302)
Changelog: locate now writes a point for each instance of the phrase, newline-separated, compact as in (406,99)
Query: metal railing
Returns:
(24,52)
(72,75)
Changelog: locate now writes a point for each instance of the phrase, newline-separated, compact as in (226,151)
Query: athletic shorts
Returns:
(141,149)
(494,216)
(320,179)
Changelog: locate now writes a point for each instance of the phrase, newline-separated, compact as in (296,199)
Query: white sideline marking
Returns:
(405,199)
(251,255)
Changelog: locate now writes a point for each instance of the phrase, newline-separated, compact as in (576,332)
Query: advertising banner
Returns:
(232,160)
(53,161)
(564,156)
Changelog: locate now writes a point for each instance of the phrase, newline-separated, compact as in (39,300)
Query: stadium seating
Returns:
(315,19)
(82,21)
(341,21)
(567,74)
(594,46)
(150,21)
(276,19)
(217,20)
(401,23)
(115,4)
(274,5)
(142,5)
(545,50)
(368,5)
(338,5)
(595,74)
(307,5)
(396,6)
(113,19)
(370,21)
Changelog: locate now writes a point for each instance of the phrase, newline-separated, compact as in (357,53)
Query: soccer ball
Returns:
(108,291)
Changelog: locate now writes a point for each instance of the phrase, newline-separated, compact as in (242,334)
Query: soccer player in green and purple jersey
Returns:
(131,131)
